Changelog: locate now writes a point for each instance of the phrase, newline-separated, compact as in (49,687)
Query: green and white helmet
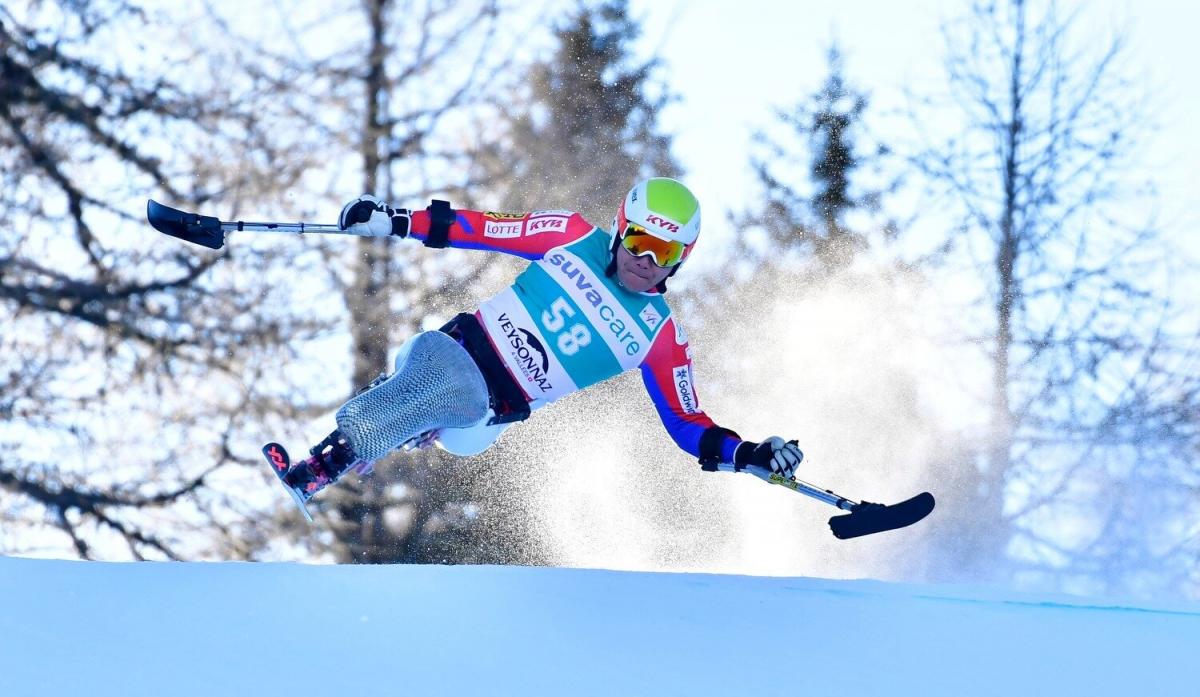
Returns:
(664,209)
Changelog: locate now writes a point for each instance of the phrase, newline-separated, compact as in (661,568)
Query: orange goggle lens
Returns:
(638,242)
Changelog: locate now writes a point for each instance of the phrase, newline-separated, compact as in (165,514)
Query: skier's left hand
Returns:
(371,217)
(780,456)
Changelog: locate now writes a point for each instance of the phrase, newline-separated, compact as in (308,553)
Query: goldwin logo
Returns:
(682,376)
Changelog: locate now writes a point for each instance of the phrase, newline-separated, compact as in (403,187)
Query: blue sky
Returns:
(733,62)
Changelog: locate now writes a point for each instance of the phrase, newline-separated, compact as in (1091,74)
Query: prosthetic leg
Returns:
(436,385)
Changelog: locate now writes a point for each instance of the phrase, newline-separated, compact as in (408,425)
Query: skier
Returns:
(588,307)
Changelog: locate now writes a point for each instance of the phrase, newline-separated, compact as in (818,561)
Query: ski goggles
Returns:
(639,242)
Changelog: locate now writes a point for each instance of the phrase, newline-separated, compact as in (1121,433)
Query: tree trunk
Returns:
(993,539)
(368,300)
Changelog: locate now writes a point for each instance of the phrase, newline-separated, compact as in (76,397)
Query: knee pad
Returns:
(436,385)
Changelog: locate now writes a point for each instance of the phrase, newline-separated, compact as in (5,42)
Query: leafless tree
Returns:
(390,86)
(129,362)
(1088,384)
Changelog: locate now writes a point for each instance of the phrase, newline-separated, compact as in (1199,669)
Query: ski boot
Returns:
(328,461)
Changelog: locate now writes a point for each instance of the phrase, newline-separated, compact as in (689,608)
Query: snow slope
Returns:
(95,629)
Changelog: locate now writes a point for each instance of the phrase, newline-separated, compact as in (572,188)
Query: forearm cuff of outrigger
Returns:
(712,450)
(441,217)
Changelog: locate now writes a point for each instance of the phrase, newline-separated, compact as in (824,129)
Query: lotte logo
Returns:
(663,223)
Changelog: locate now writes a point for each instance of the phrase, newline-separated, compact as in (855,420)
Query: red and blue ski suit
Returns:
(565,323)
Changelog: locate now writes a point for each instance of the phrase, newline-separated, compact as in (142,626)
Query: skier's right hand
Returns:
(781,457)
(371,217)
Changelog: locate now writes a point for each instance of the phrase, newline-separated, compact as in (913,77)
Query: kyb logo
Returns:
(663,223)
(530,354)
(546,224)
(684,390)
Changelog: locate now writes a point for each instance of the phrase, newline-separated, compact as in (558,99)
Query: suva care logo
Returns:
(530,354)
(591,295)
(683,389)
(664,223)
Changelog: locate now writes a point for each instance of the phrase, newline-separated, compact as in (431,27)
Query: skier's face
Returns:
(638,274)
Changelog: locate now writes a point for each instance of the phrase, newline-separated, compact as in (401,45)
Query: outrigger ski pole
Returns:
(207,231)
(864,518)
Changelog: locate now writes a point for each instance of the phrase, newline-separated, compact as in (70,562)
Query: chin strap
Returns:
(612,259)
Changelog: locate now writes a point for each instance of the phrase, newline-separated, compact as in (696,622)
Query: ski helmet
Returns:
(666,210)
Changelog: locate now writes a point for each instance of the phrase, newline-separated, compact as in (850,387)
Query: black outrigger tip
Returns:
(203,230)
(869,518)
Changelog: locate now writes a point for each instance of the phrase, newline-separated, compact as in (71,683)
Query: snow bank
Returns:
(77,628)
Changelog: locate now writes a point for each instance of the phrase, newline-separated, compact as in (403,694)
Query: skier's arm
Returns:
(669,378)
(526,235)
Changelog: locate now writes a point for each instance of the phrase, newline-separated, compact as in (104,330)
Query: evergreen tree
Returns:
(811,188)
(588,127)
(584,132)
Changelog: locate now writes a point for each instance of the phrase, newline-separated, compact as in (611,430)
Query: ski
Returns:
(869,518)
(280,463)
(863,518)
